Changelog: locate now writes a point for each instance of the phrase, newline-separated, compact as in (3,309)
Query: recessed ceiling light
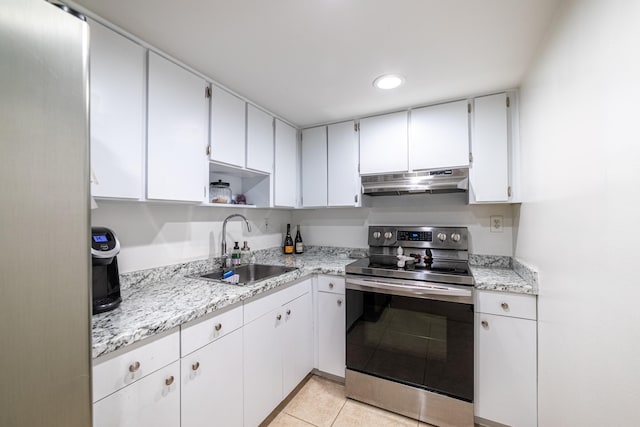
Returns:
(388,81)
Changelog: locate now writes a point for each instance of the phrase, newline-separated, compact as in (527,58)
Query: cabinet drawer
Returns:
(116,372)
(267,303)
(153,401)
(202,332)
(331,284)
(504,304)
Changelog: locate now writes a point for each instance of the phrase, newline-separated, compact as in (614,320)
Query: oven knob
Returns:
(442,237)
(376,234)
(455,237)
(388,235)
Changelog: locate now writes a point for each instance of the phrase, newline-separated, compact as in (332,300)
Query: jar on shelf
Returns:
(219,192)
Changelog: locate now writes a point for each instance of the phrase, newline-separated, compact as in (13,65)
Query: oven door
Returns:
(415,333)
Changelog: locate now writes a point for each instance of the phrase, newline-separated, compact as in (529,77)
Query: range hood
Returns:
(438,181)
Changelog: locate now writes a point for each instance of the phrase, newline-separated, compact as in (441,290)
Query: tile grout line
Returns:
(338,414)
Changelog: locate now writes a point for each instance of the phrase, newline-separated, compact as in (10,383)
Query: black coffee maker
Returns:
(106,279)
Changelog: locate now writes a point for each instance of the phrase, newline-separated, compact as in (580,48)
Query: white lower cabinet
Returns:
(331,325)
(278,349)
(211,380)
(506,359)
(153,401)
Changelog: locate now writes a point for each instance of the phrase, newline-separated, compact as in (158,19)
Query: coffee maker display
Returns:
(106,279)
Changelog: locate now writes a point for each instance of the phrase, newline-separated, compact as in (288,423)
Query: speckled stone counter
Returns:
(159,299)
(505,274)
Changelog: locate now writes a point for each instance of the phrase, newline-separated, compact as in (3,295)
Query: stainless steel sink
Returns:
(249,273)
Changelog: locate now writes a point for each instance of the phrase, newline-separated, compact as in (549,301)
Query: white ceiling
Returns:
(313,61)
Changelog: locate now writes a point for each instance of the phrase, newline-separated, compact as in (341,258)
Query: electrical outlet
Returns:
(497,223)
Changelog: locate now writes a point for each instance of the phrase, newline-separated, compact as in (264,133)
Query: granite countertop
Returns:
(159,299)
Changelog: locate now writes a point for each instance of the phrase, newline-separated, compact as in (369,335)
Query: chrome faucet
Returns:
(224,234)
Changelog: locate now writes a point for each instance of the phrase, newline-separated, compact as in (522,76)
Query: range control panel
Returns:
(419,237)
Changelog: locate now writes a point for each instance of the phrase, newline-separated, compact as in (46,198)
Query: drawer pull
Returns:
(279,316)
(339,302)
(134,366)
(330,285)
(218,326)
(195,366)
(484,324)
(169,380)
(289,312)
(504,306)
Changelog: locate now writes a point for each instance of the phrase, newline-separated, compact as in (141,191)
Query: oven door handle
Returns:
(428,290)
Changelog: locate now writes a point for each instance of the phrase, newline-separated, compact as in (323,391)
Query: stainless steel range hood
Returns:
(440,181)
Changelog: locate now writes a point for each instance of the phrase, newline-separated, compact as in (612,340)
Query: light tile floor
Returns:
(322,403)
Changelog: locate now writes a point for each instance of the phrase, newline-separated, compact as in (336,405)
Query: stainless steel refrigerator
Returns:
(45,359)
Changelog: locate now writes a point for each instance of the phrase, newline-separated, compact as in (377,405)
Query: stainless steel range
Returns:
(410,324)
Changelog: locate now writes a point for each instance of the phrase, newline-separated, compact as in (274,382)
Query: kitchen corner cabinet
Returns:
(330,321)
(177,133)
(384,143)
(285,172)
(343,188)
(259,140)
(117,114)
(278,348)
(228,124)
(492,169)
(440,136)
(506,358)
(314,167)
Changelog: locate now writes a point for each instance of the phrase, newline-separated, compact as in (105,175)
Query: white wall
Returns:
(347,227)
(578,224)
(155,234)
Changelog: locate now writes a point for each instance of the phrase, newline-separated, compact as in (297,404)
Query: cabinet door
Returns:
(212,384)
(177,133)
(489,173)
(286,154)
(384,144)
(227,127)
(153,401)
(342,159)
(262,366)
(297,343)
(314,167)
(331,333)
(259,140)
(506,365)
(440,136)
(117,114)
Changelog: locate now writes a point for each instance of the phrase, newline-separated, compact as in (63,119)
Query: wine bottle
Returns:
(288,241)
(299,245)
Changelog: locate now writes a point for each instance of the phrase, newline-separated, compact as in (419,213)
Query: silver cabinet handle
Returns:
(330,285)
(134,366)
(484,324)
(218,326)
(169,380)
(339,302)
(289,312)
(195,366)
(504,306)
(279,316)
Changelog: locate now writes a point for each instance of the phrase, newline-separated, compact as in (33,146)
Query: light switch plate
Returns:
(497,223)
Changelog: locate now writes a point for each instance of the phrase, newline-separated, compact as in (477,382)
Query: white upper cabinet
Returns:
(489,174)
(117,114)
(227,127)
(440,136)
(342,157)
(285,173)
(259,140)
(177,133)
(314,167)
(384,144)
